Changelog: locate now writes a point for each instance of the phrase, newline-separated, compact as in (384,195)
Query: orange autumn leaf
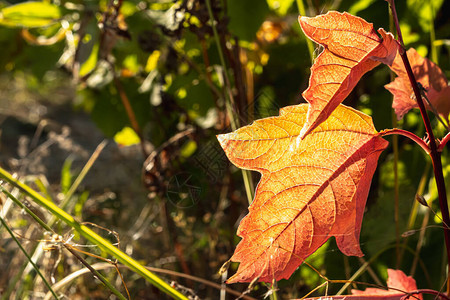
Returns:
(310,189)
(429,75)
(351,48)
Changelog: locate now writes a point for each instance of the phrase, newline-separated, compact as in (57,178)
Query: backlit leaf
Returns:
(126,137)
(280,7)
(351,48)
(429,75)
(310,189)
(398,283)
(424,12)
(359,5)
(30,14)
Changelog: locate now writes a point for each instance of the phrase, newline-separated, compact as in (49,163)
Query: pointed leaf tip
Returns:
(221,138)
(351,48)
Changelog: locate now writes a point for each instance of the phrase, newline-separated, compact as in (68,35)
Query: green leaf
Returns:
(357,6)
(78,209)
(91,62)
(66,176)
(246,17)
(108,111)
(30,14)
(425,11)
(188,149)
(126,137)
(281,7)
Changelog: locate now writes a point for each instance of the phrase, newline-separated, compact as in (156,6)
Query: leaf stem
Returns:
(94,272)
(434,153)
(443,142)
(426,291)
(409,135)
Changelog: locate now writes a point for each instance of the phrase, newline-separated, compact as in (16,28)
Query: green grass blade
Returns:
(36,268)
(85,170)
(93,237)
(47,228)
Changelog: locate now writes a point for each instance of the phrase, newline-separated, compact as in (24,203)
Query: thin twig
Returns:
(104,265)
(419,243)
(93,271)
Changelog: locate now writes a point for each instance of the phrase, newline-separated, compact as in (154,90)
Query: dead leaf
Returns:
(429,75)
(310,189)
(351,48)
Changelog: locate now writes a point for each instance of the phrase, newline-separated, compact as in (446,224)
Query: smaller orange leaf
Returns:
(429,75)
(351,48)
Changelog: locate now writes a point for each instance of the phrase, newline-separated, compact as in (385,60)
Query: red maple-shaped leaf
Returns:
(398,283)
(310,189)
(429,75)
(351,48)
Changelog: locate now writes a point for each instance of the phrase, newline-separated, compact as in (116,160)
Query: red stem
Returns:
(426,291)
(409,135)
(443,142)
(435,155)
